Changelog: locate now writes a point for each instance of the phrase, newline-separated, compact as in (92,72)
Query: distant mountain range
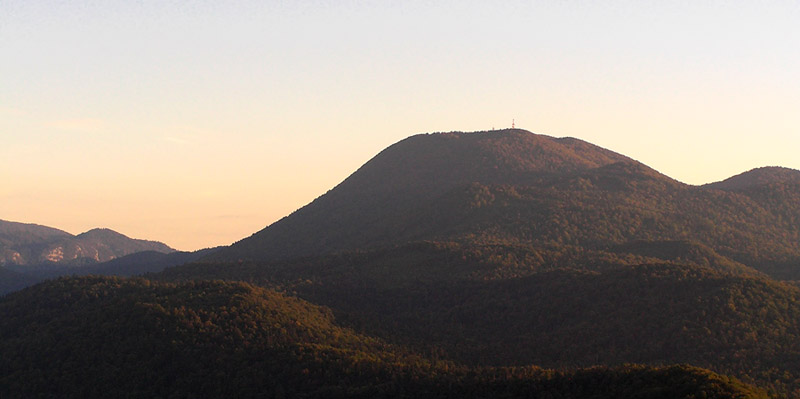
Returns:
(30,253)
(30,244)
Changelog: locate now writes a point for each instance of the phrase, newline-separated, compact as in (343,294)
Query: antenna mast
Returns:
(512,123)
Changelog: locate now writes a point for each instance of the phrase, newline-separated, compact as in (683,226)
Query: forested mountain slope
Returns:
(112,337)
(502,305)
(514,187)
(371,205)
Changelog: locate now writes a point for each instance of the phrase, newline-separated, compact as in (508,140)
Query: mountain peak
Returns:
(513,150)
(434,163)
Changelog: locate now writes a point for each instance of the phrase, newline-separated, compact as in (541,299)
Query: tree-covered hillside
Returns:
(112,337)
(514,187)
(502,305)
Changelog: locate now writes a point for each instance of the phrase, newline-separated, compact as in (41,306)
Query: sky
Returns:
(198,123)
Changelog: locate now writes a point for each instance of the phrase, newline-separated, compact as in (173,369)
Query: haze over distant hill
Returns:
(29,244)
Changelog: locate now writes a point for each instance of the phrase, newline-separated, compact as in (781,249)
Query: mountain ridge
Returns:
(110,337)
(30,244)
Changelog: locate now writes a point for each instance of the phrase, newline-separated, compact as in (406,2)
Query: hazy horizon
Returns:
(198,124)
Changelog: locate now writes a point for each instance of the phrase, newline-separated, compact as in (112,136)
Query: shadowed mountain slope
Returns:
(144,262)
(111,337)
(500,305)
(137,263)
(12,281)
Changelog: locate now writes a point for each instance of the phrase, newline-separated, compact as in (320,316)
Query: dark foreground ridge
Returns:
(111,337)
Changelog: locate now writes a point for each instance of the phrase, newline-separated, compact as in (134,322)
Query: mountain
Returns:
(371,207)
(112,337)
(28,245)
(515,187)
(510,248)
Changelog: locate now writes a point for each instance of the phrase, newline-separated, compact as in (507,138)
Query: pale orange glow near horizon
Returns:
(198,124)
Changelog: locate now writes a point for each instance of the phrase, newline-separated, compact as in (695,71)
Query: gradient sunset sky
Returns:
(199,123)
